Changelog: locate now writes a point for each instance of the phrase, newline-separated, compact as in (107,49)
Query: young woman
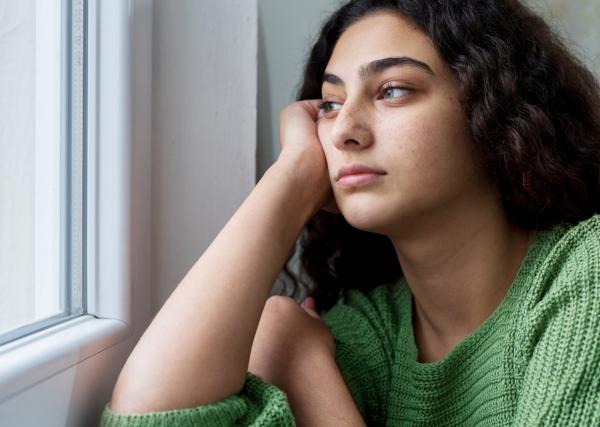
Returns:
(459,282)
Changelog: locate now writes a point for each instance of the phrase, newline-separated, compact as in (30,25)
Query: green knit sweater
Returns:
(534,361)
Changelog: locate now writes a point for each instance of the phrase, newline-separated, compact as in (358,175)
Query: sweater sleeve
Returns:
(259,404)
(360,326)
(561,384)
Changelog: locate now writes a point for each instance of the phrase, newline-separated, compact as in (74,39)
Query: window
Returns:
(42,148)
(78,140)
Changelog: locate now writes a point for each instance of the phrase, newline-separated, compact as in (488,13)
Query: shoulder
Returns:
(564,285)
(579,244)
(567,261)
(575,259)
(559,330)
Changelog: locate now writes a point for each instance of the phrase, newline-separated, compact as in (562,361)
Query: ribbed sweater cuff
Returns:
(258,399)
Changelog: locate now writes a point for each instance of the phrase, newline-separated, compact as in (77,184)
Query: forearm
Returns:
(197,348)
(319,397)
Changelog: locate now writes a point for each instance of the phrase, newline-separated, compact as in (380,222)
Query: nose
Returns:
(350,130)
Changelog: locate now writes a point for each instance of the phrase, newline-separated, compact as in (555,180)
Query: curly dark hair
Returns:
(533,110)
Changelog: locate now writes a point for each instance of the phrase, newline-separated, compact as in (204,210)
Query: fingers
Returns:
(310,307)
(312,313)
(312,107)
(309,302)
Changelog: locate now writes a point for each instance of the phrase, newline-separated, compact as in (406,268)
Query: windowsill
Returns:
(29,360)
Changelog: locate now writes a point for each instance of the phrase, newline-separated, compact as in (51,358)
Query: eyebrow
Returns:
(378,66)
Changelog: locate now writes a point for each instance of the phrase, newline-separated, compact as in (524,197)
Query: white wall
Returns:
(204,121)
(142,54)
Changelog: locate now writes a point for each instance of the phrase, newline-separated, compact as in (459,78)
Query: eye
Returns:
(329,106)
(394,92)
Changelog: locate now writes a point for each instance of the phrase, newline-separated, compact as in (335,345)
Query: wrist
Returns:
(299,176)
(318,394)
(308,370)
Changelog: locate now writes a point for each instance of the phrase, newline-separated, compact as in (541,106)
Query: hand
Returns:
(289,338)
(302,152)
(295,351)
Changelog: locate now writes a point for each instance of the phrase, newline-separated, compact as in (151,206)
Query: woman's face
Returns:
(393,105)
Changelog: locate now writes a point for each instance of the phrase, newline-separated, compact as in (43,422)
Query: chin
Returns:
(386,216)
(366,218)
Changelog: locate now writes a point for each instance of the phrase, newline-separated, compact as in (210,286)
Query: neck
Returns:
(458,271)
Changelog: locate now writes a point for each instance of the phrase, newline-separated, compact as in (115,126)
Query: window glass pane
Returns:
(41,168)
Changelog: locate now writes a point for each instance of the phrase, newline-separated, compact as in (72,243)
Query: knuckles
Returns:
(279,302)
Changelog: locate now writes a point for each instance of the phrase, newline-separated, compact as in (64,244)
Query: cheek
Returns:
(437,138)
(433,151)
(450,149)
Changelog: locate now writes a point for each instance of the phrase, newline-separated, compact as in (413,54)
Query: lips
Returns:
(357,169)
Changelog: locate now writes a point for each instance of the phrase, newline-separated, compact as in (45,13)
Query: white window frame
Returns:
(34,358)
